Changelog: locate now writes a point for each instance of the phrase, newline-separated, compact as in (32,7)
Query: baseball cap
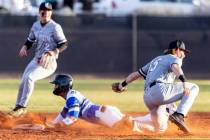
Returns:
(175,45)
(45,6)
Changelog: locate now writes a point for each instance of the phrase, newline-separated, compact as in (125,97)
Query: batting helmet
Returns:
(64,82)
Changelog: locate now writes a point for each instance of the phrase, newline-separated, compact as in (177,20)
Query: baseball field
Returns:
(43,104)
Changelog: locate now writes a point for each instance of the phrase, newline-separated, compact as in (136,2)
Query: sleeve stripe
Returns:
(30,40)
(73,106)
(142,73)
(74,109)
(62,41)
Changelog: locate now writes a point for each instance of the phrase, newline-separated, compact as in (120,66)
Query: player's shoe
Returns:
(135,125)
(18,111)
(178,119)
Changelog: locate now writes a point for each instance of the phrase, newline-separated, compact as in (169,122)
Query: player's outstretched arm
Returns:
(120,87)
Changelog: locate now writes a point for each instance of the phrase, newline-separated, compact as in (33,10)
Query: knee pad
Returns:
(109,115)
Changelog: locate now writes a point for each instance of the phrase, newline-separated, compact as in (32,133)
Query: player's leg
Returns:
(176,94)
(187,101)
(21,85)
(170,108)
(109,115)
(153,99)
(37,73)
(155,121)
(20,109)
(32,73)
(185,104)
(160,117)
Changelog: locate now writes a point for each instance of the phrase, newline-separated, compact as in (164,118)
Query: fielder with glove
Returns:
(48,38)
(160,88)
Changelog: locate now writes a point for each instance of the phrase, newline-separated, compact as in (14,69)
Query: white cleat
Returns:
(136,127)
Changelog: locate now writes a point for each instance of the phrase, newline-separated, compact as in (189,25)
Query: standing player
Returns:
(49,40)
(78,106)
(160,89)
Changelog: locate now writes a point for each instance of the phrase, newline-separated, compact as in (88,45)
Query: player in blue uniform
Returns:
(78,106)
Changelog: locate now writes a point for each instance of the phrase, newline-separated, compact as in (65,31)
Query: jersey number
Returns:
(154,64)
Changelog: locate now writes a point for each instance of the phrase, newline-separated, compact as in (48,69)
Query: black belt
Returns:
(152,84)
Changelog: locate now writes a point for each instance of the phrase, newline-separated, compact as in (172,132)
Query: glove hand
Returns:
(46,60)
(117,87)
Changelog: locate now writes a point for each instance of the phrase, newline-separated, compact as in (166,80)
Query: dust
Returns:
(8,122)
(197,122)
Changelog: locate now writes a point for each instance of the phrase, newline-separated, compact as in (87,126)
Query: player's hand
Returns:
(50,124)
(23,51)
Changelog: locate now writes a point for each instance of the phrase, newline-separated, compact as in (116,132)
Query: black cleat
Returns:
(178,119)
(18,111)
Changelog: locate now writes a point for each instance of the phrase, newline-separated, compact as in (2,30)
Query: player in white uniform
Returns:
(49,40)
(160,88)
(78,106)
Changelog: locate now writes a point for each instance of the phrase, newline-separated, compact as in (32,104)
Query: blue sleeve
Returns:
(73,113)
(72,104)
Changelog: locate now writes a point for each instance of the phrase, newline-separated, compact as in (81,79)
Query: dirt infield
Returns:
(199,124)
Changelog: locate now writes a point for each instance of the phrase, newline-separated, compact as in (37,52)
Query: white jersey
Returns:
(47,37)
(159,69)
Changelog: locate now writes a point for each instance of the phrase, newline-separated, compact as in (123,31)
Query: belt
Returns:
(152,84)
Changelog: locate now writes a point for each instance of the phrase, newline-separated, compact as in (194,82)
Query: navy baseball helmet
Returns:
(63,80)
(45,6)
(175,45)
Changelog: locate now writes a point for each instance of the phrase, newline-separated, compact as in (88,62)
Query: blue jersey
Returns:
(79,107)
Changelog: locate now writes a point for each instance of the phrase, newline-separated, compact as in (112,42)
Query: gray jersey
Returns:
(46,37)
(159,69)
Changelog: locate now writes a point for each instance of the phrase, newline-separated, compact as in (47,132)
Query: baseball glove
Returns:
(116,87)
(47,60)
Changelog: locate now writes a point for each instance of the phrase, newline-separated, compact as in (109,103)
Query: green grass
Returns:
(99,91)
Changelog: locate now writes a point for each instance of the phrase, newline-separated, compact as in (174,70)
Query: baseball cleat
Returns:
(135,125)
(178,119)
(18,111)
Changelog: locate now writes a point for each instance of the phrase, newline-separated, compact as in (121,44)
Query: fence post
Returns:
(134,41)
